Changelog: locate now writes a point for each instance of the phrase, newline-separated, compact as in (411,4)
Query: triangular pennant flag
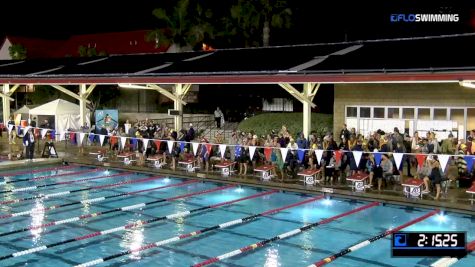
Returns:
(43,132)
(252,150)
(182,146)
(157,144)
(62,136)
(301,154)
(284,151)
(170,146)
(469,160)
(267,152)
(81,137)
(237,151)
(420,160)
(195,147)
(319,154)
(208,148)
(338,155)
(19,130)
(52,135)
(145,143)
(398,159)
(222,149)
(377,158)
(122,142)
(72,138)
(443,159)
(91,137)
(101,138)
(357,156)
(10,127)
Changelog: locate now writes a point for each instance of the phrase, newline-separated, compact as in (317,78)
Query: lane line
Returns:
(39,170)
(448,261)
(247,219)
(45,177)
(281,236)
(371,240)
(85,201)
(82,217)
(135,224)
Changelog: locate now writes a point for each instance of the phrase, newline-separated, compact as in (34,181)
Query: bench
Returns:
(264,171)
(189,164)
(358,181)
(413,187)
(128,157)
(225,167)
(471,191)
(309,177)
(158,161)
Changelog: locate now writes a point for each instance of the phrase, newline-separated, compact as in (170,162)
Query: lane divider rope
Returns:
(198,232)
(39,170)
(34,187)
(86,201)
(74,219)
(281,236)
(45,177)
(448,261)
(135,224)
(371,240)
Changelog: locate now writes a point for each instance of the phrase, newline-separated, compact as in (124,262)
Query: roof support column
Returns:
(306,98)
(82,105)
(179,90)
(6,103)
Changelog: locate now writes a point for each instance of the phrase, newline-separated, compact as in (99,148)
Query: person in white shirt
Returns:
(218,117)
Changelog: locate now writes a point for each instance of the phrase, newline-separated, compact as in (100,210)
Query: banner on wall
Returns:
(109,118)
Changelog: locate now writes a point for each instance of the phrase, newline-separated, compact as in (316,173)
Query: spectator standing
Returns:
(29,143)
(218,117)
(127,126)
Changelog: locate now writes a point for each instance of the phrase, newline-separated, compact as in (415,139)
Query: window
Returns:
(378,113)
(365,112)
(440,114)
(408,113)
(393,113)
(423,114)
(351,112)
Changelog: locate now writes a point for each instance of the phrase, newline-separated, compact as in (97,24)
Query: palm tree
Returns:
(17,51)
(183,26)
(256,17)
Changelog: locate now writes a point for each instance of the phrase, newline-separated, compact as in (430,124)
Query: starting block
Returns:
(189,165)
(413,187)
(471,191)
(226,167)
(309,177)
(265,172)
(358,181)
(158,161)
(127,158)
(100,155)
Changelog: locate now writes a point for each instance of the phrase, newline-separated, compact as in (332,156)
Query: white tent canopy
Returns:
(66,114)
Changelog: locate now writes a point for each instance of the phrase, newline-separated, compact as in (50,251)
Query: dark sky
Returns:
(334,21)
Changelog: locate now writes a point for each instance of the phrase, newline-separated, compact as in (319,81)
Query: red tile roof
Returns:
(132,42)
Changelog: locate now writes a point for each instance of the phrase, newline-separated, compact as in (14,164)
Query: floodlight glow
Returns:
(166,180)
(239,190)
(106,172)
(327,202)
(441,217)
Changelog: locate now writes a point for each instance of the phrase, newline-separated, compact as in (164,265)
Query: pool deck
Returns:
(456,200)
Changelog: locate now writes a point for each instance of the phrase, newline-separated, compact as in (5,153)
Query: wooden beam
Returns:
(66,91)
(13,89)
(299,96)
(2,95)
(89,90)
(166,93)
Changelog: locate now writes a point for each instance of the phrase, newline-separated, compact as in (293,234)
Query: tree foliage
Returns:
(17,51)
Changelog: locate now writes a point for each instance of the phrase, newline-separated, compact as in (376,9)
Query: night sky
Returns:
(332,22)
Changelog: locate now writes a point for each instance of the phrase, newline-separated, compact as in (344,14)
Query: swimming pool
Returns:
(64,216)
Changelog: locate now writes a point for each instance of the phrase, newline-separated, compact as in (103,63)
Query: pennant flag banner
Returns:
(10,127)
(81,137)
(443,159)
(208,148)
(252,150)
(377,158)
(338,155)
(25,130)
(469,160)
(62,136)
(157,144)
(357,156)
(182,146)
(133,142)
(114,140)
(319,154)
(301,154)
(237,151)
(91,137)
(284,151)
(145,143)
(53,135)
(101,139)
(19,130)
(43,132)
(122,142)
(222,149)
(170,146)
(195,148)
(398,159)
(420,160)
(267,152)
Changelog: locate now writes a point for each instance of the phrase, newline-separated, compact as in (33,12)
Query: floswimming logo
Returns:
(424,18)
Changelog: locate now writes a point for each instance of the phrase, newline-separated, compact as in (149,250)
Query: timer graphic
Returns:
(427,244)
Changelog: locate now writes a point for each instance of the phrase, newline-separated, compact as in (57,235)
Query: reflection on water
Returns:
(86,208)
(133,239)
(272,258)
(37,218)
(7,196)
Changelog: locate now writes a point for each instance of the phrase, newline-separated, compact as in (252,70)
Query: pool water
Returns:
(299,250)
